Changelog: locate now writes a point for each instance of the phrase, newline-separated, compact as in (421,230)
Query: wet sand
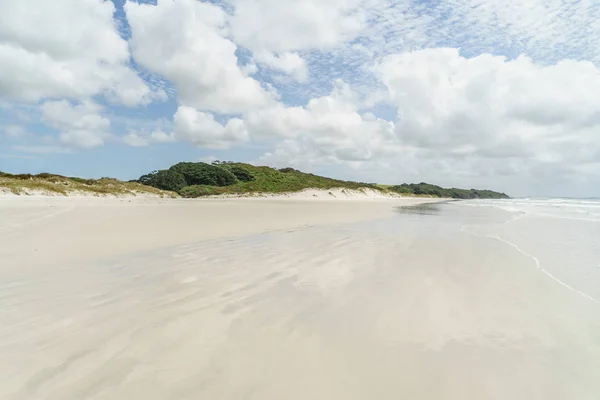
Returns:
(268,299)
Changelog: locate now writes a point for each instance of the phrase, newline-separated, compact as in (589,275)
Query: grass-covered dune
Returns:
(201,179)
(52,184)
(197,179)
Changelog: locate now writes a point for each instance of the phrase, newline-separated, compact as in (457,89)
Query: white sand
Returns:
(176,299)
(49,230)
(321,194)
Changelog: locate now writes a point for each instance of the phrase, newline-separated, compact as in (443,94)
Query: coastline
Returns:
(108,298)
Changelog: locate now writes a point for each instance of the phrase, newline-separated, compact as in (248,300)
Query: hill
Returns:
(201,179)
(191,179)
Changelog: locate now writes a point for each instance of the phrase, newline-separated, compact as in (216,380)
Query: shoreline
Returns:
(281,298)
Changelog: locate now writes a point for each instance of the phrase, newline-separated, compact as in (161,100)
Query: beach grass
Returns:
(58,185)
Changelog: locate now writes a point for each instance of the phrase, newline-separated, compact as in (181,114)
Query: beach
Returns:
(294,298)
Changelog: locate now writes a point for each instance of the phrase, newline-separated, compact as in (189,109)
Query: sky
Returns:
(499,94)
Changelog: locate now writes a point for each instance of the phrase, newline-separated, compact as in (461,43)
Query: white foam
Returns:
(535,259)
(581,210)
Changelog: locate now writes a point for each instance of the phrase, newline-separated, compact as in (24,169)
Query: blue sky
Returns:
(470,93)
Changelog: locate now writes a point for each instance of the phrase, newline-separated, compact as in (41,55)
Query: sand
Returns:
(278,299)
(43,231)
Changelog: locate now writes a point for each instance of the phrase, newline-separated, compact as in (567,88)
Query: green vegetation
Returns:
(197,179)
(204,174)
(187,174)
(203,179)
(426,189)
(241,173)
(164,180)
(237,178)
(63,185)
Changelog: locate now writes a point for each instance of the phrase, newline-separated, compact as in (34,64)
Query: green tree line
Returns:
(438,191)
(194,179)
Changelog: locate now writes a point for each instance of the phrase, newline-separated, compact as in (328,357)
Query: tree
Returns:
(164,179)
(241,173)
(200,173)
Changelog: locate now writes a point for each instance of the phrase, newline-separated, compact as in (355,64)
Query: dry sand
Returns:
(40,231)
(277,299)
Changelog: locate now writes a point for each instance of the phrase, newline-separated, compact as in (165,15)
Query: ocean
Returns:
(562,236)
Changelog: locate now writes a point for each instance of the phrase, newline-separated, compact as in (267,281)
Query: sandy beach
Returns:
(280,299)
(49,230)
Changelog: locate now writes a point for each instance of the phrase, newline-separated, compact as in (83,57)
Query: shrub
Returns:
(286,170)
(23,177)
(204,174)
(165,179)
(195,191)
(84,180)
(241,173)
(403,189)
(434,190)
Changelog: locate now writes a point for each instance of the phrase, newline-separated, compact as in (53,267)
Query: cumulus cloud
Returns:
(80,125)
(459,120)
(201,129)
(327,129)
(490,106)
(184,42)
(135,139)
(289,63)
(143,138)
(66,48)
(289,25)
(159,136)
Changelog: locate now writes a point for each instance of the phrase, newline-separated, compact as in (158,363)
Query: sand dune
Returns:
(270,299)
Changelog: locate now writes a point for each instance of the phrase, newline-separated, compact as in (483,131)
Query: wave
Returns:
(579,209)
(536,260)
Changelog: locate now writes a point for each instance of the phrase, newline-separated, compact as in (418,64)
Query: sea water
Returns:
(562,236)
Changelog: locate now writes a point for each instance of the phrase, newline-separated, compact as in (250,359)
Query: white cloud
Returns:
(143,138)
(461,121)
(289,63)
(328,129)
(184,42)
(289,25)
(159,136)
(134,139)
(334,113)
(80,125)
(13,131)
(201,129)
(491,107)
(43,149)
(544,29)
(65,48)
(250,69)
